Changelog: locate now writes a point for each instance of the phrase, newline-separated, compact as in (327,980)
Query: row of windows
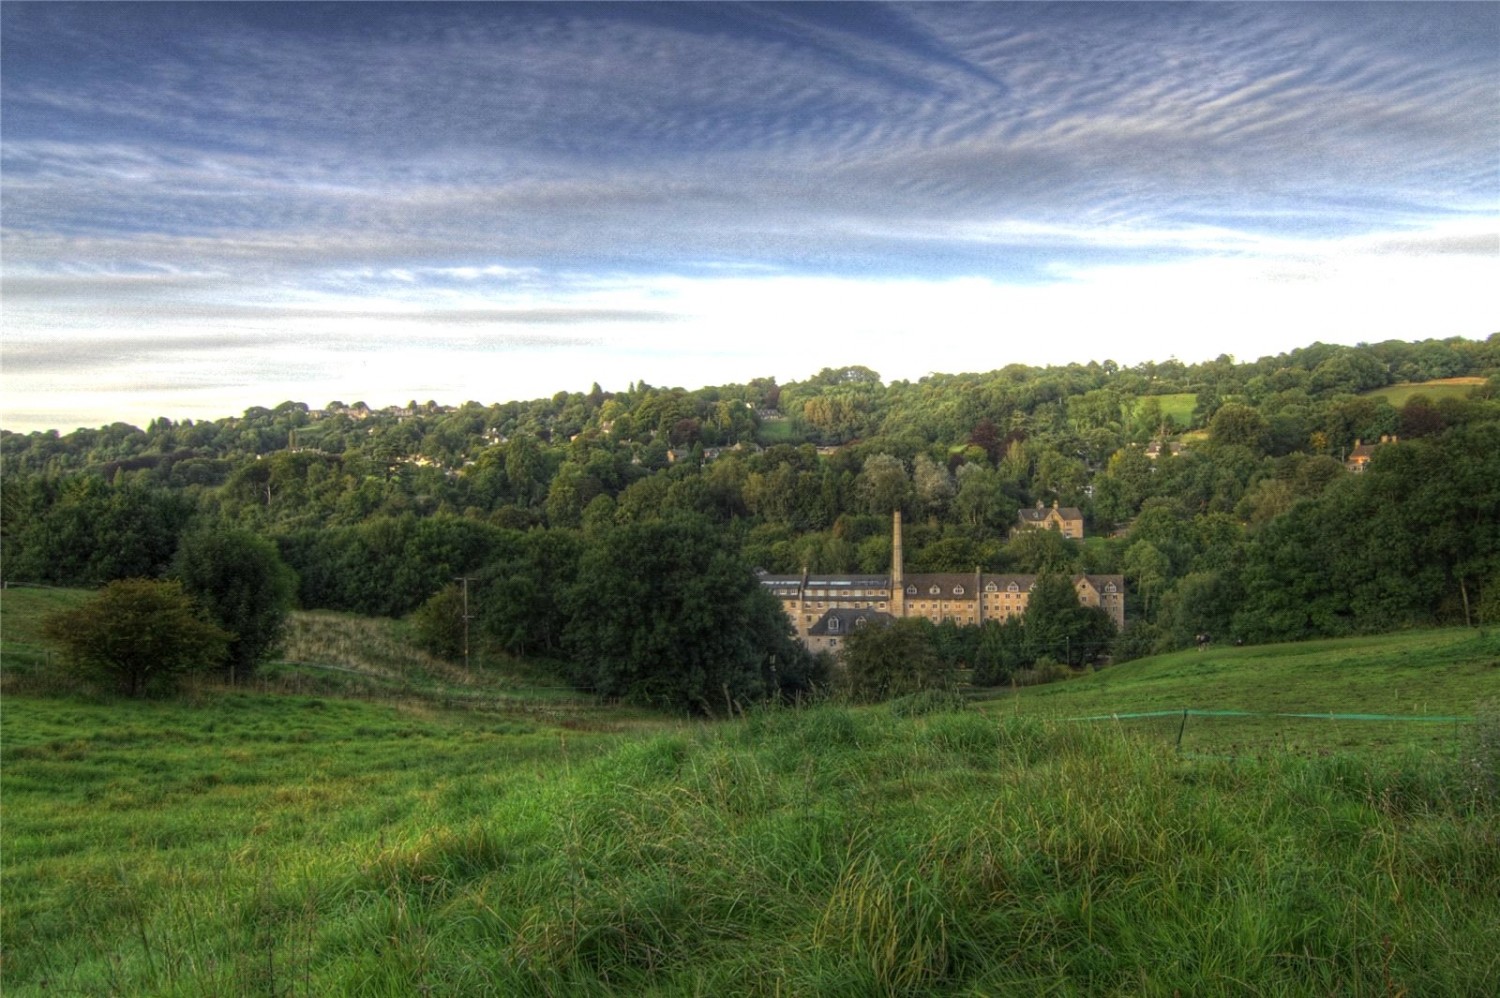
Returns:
(1109,587)
(911,590)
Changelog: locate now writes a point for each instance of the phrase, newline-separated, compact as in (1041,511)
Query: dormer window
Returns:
(833,623)
(1110,588)
(935,591)
(958,590)
(1012,588)
(991,587)
(1031,588)
(911,590)
(859,622)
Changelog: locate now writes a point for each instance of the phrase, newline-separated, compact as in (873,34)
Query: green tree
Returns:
(933,484)
(1148,569)
(241,582)
(1059,627)
(663,611)
(1034,550)
(439,623)
(892,660)
(139,635)
(883,485)
(1237,424)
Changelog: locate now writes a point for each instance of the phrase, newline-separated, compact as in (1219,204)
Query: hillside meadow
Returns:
(1436,390)
(257,843)
(1380,695)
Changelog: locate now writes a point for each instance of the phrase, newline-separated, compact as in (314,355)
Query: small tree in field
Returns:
(139,635)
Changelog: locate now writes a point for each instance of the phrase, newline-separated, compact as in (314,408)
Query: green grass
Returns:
(274,845)
(1178,407)
(1399,395)
(777,431)
(1435,673)
(25,657)
(232,842)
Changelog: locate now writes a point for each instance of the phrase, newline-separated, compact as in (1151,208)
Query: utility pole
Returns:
(465,580)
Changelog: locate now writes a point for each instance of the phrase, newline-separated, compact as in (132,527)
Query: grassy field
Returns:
(1178,407)
(1415,675)
(1399,395)
(261,843)
(777,431)
(21,613)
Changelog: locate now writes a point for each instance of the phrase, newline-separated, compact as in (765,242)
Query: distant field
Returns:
(777,431)
(1399,395)
(1440,673)
(1177,407)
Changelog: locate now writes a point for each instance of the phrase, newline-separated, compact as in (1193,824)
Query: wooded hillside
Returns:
(1248,525)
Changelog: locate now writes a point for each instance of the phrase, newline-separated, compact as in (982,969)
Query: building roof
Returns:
(1040,513)
(841,621)
(826,581)
(949,585)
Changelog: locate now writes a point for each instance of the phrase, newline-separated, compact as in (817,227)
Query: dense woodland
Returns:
(607,528)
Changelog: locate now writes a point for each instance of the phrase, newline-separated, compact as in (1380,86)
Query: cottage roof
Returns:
(1041,513)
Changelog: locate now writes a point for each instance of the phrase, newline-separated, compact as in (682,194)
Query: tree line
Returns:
(1246,525)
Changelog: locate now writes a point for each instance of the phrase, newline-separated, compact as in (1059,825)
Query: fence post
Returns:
(1180,729)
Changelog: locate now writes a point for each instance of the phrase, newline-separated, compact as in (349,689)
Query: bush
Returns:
(1046,671)
(139,635)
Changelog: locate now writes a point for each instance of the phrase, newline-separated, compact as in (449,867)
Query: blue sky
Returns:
(213,206)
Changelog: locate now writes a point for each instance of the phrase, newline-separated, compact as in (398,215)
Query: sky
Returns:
(208,207)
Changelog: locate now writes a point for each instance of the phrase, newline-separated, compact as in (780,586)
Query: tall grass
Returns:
(315,847)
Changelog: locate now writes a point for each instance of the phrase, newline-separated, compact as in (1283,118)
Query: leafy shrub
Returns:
(1046,671)
(138,635)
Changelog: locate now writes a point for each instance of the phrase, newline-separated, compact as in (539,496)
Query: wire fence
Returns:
(1240,732)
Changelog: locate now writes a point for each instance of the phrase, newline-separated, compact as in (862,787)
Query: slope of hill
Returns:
(1406,688)
(1399,394)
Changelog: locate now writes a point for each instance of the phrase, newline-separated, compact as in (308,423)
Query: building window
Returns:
(958,590)
(1012,588)
(991,587)
(833,623)
(934,591)
(911,590)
